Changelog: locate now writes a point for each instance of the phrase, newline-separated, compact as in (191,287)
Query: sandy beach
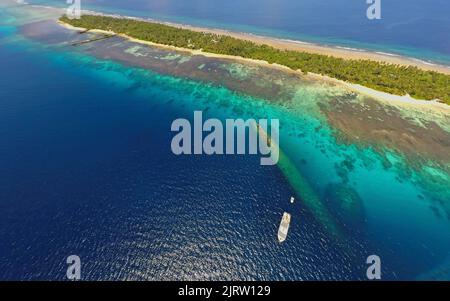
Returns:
(404,100)
(285,44)
(398,99)
(335,51)
(344,53)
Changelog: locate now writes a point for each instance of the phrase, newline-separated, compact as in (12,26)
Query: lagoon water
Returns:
(87,169)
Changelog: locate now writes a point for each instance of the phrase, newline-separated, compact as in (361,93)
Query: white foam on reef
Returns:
(296,41)
(424,62)
(350,48)
(387,53)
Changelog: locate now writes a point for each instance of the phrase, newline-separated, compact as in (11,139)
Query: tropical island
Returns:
(386,77)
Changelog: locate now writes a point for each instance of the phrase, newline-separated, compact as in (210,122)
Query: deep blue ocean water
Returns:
(415,28)
(87,169)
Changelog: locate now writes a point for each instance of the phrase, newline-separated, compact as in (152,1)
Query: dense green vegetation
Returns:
(390,78)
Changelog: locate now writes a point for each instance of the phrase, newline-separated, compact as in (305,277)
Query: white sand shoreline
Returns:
(289,44)
(383,96)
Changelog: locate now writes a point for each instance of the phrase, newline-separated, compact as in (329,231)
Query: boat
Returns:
(284,227)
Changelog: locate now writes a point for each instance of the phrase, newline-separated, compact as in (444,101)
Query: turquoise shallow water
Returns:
(90,172)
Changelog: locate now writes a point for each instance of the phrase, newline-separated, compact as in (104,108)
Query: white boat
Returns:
(284,227)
